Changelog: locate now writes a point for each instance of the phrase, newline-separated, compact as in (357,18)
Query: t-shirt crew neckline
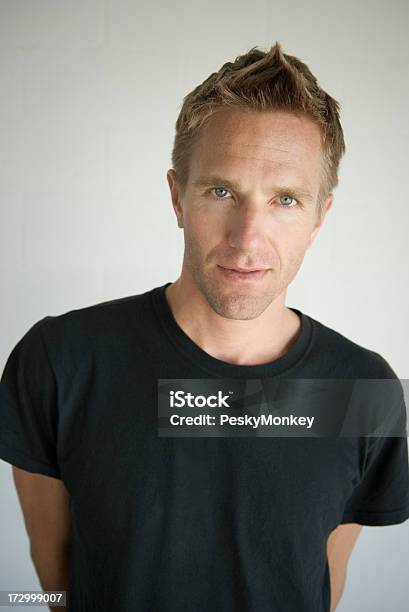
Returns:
(218,368)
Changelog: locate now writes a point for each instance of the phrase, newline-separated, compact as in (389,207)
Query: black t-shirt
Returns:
(165,524)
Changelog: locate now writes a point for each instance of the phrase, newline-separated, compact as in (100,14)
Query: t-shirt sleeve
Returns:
(382,495)
(28,406)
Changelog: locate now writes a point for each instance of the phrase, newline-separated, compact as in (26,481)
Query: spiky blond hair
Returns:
(262,81)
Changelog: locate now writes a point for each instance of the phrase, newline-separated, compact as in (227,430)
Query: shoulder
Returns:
(102,316)
(341,356)
(83,335)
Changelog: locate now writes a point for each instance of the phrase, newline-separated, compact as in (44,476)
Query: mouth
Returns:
(242,273)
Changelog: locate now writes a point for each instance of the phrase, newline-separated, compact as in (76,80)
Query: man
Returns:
(125,519)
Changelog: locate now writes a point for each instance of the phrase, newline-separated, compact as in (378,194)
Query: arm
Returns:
(339,548)
(45,504)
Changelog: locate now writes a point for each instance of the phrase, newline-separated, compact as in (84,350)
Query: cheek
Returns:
(204,228)
(292,234)
(200,238)
(290,248)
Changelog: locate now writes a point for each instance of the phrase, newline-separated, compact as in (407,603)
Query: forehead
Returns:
(260,141)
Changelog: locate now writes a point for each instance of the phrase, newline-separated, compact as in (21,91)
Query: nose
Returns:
(247,229)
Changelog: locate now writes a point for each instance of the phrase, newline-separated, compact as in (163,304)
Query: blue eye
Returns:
(219,189)
(287,204)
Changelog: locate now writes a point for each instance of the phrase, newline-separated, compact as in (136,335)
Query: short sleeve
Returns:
(28,407)
(382,495)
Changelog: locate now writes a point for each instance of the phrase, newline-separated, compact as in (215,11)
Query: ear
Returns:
(327,205)
(174,191)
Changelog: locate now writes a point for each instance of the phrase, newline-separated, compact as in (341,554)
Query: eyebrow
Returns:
(207,181)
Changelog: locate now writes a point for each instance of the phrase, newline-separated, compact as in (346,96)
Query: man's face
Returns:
(260,213)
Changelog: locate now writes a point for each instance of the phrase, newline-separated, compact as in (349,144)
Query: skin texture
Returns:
(340,544)
(249,323)
(246,322)
(45,505)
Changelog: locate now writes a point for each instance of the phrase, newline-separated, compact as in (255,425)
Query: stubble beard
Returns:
(224,297)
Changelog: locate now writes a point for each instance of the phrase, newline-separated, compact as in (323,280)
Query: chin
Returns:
(237,303)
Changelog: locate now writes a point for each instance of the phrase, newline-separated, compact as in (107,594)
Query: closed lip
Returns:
(244,269)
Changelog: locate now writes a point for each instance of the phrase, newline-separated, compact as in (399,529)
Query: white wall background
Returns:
(90,92)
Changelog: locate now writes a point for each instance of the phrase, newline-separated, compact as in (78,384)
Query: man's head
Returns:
(255,160)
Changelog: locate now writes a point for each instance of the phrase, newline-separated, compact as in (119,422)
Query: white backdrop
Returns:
(90,92)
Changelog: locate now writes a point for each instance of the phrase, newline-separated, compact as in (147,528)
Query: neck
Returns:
(241,342)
